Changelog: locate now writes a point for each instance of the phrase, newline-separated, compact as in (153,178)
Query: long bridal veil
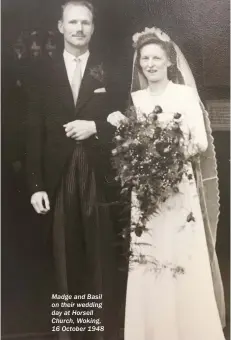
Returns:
(205,167)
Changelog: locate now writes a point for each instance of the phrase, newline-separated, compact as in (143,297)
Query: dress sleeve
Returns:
(198,142)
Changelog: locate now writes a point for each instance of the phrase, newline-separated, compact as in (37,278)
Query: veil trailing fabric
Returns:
(205,167)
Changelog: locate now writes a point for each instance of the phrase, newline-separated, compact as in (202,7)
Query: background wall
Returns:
(199,27)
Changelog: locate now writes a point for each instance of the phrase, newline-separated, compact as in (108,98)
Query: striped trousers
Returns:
(84,242)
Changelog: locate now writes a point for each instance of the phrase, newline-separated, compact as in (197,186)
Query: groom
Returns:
(68,162)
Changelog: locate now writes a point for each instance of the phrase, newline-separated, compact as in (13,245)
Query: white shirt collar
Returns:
(70,57)
(70,64)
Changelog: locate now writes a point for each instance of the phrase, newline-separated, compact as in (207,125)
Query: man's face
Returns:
(76,25)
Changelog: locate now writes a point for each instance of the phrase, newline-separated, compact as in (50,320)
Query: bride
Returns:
(189,305)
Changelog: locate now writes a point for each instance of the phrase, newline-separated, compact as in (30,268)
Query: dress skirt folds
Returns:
(84,242)
(163,303)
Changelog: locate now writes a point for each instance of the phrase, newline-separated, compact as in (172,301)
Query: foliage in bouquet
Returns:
(150,160)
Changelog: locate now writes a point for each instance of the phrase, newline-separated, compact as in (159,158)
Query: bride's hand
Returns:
(115,118)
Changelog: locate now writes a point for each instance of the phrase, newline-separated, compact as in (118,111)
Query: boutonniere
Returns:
(98,73)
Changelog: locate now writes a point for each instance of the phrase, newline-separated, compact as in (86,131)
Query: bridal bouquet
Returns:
(149,158)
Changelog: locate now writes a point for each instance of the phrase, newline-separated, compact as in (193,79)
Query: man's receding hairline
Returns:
(78,4)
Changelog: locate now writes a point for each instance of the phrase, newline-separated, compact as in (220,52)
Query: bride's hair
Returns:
(150,38)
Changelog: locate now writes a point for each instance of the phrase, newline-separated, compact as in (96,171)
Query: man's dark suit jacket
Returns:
(49,150)
(51,106)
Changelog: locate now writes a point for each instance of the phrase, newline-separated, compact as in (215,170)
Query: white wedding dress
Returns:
(159,305)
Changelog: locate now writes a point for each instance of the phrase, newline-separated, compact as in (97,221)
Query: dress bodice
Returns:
(175,98)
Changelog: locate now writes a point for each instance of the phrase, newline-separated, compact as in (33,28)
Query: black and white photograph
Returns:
(115,170)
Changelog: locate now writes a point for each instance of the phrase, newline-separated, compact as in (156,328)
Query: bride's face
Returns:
(154,62)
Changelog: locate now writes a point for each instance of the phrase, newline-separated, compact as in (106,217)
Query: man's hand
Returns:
(40,202)
(115,118)
(80,129)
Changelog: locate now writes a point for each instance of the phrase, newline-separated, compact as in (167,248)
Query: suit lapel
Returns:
(88,85)
(63,85)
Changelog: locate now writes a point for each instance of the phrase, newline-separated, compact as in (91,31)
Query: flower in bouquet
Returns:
(149,158)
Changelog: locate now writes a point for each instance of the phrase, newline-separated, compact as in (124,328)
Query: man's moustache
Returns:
(79,35)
